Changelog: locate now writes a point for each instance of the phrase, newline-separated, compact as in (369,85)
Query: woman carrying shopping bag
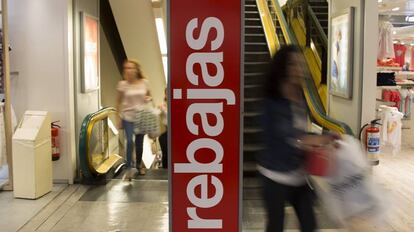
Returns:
(282,162)
(133,94)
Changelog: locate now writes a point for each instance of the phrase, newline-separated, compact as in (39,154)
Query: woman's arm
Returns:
(118,108)
(148,97)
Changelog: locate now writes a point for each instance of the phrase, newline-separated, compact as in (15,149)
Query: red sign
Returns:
(205,54)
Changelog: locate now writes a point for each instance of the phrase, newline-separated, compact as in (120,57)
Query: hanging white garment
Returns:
(391,128)
(385,42)
(394,131)
(385,112)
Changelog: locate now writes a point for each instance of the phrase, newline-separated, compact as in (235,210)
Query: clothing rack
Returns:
(403,101)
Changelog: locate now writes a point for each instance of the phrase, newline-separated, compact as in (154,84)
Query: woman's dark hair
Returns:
(277,71)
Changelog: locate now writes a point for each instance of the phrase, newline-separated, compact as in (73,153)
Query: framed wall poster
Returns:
(341,58)
(89,53)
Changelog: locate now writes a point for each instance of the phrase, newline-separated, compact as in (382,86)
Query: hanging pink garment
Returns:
(400,54)
(385,43)
(412,59)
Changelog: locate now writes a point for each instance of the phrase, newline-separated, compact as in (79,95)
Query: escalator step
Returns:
(252,130)
(255,38)
(252,29)
(256,53)
(251,15)
(257,48)
(253,100)
(256,63)
(257,56)
(320,9)
(254,74)
(251,67)
(257,147)
(255,44)
(252,114)
(252,22)
(252,104)
(250,7)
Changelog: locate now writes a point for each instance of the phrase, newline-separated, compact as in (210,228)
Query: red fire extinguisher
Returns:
(372,140)
(55,141)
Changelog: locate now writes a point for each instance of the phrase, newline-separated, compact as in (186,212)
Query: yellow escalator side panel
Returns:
(298,31)
(313,66)
(319,119)
(323,92)
(311,60)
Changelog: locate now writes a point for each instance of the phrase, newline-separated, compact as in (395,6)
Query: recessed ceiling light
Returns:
(412,44)
(396,9)
(402,43)
(394,32)
(379,1)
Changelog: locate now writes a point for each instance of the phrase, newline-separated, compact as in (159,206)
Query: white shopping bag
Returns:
(351,192)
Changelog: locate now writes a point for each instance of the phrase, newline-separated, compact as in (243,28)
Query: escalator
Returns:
(266,29)
(256,59)
(321,11)
(100,146)
(315,83)
(308,20)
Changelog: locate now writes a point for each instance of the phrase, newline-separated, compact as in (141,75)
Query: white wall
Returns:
(40,36)
(369,84)
(110,74)
(136,25)
(85,103)
(361,108)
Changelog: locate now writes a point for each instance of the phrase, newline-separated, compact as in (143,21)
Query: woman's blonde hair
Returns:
(140,75)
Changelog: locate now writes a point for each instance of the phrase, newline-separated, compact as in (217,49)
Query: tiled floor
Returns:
(14,213)
(142,205)
(254,213)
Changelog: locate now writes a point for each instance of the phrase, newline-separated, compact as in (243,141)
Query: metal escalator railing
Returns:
(311,94)
(99,144)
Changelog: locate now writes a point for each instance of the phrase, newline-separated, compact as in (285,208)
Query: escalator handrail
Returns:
(268,27)
(287,34)
(314,105)
(85,137)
